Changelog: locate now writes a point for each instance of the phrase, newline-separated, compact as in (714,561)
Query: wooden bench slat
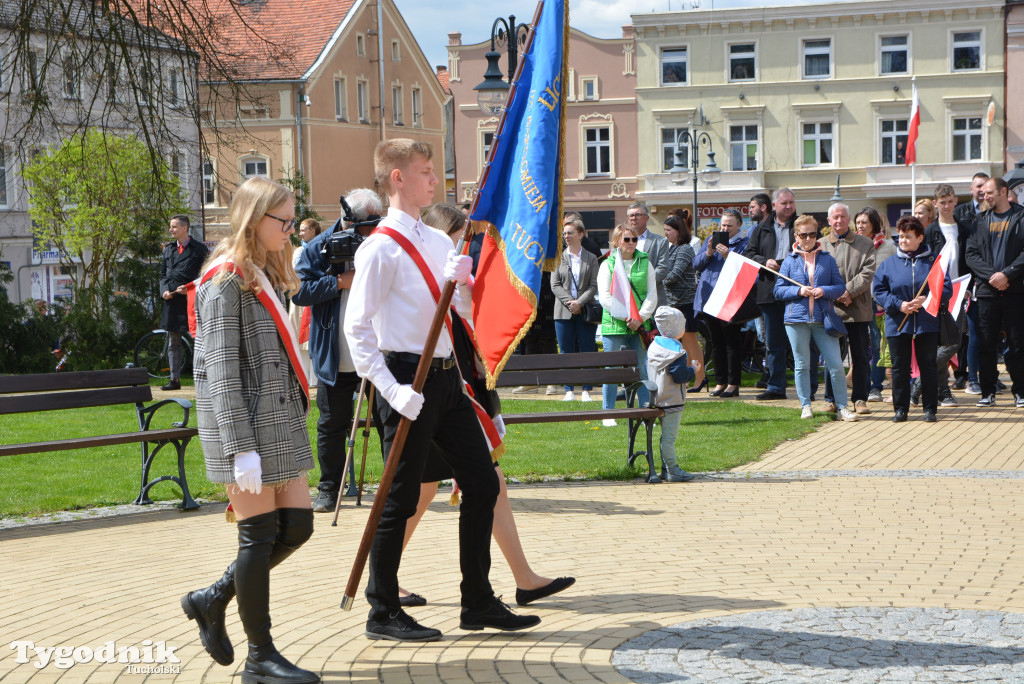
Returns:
(582,376)
(27,403)
(100,440)
(49,382)
(519,362)
(595,414)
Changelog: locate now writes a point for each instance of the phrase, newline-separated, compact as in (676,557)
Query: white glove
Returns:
(404,400)
(249,472)
(499,425)
(458,268)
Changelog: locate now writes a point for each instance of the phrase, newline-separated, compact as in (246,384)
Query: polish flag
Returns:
(935,277)
(624,304)
(738,276)
(915,122)
(959,290)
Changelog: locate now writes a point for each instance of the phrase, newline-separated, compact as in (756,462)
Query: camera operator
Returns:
(325,269)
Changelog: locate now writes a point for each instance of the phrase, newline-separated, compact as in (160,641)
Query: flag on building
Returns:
(959,290)
(738,276)
(520,194)
(915,123)
(936,276)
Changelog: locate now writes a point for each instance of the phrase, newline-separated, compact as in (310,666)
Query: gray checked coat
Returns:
(247,396)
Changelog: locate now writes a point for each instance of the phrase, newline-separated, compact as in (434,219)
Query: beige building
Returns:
(600,140)
(356,76)
(794,96)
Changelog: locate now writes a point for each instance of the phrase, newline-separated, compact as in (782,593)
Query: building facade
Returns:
(1014,116)
(797,96)
(601,120)
(357,76)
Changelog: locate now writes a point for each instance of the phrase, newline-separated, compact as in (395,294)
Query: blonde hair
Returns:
(804,220)
(930,206)
(616,239)
(394,154)
(251,202)
(445,217)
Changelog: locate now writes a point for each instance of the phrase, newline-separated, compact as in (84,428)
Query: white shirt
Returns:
(389,304)
(949,231)
(574,267)
(641,241)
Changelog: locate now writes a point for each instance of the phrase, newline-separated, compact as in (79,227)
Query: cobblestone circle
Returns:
(856,645)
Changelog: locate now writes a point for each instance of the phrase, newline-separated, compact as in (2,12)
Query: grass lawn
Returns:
(713,436)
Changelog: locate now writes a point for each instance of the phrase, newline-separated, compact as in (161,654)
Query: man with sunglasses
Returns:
(182,260)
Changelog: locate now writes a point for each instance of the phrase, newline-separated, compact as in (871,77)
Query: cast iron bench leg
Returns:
(147,460)
(187,502)
(649,425)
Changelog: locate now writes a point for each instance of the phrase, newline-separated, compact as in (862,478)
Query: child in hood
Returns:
(667,368)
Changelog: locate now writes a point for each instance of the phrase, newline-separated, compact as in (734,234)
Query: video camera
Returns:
(340,248)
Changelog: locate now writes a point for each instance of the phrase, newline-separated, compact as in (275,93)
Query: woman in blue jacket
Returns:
(897,283)
(820,284)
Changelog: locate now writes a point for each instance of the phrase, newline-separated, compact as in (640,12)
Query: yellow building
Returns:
(794,96)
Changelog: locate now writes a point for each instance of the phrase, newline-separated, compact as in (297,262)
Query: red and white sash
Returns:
(486,423)
(276,310)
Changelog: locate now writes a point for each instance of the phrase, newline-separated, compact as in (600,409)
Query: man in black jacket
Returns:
(769,244)
(968,211)
(995,255)
(182,260)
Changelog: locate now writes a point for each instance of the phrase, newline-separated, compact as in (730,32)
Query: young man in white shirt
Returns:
(387,320)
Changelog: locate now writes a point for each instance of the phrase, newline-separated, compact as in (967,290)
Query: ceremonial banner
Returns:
(738,276)
(520,196)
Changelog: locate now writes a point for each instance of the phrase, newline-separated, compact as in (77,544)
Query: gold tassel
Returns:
(229,514)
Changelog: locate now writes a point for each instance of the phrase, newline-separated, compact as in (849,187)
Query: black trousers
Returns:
(332,429)
(996,315)
(858,337)
(925,345)
(726,349)
(447,419)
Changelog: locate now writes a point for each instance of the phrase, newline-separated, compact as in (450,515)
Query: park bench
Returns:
(586,368)
(54,391)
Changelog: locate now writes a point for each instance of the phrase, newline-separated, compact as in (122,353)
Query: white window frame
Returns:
(175,88)
(756,141)
(664,146)
(817,136)
(968,133)
(685,49)
(728,61)
(254,159)
(209,183)
(416,95)
(33,77)
(360,45)
(892,138)
(483,147)
(804,54)
(953,45)
(396,50)
(397,105)
(600,122)
(74,92)
(589,81)
(340,99)
(178,165)
(881,49)
(363,101)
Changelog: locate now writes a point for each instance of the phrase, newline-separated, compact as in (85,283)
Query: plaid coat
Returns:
(247,396)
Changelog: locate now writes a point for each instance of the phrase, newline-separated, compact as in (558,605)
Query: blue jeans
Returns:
(616,343)
(973,342)
(775,331)
(576,336)
(800,335)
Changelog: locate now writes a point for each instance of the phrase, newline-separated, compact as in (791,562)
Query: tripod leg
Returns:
(349,450)
(366,438)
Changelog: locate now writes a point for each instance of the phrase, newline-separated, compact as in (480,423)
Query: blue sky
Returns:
(431,21)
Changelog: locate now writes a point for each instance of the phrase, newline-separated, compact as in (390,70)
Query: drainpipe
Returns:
(380,66)
(298,127)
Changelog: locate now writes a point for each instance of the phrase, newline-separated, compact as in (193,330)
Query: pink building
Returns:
(600,146)
(1014,82)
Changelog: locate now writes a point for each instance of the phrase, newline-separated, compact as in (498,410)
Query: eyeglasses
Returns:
(635,216)
(630,239)
(806,236)
(286,224)
(568,235)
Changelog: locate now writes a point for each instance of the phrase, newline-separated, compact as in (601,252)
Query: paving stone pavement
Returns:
(857,516)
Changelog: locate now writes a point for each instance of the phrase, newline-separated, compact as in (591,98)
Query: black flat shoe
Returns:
(412,601)
(770,396)
(717,393)
(526,596)
(730,394)
(900,416)
(400,627)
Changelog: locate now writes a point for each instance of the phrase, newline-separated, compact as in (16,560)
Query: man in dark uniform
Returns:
(183,258)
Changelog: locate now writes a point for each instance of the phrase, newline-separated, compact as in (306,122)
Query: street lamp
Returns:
(493,90)
(679,172)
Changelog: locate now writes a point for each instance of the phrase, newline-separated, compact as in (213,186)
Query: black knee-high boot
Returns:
(207,606)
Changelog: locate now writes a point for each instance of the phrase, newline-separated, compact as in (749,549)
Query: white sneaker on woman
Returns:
(848,416)
(609,422)
(806,412)
(568,397)
(585,396)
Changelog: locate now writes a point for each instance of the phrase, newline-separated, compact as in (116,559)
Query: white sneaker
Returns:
(551,390)
(585,396)
(568,397)
(806,412)
(609,422)
(524,389)
(848,416)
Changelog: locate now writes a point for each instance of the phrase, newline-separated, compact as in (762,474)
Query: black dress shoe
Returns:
(266,666)
(900,416)
(496,615)
(717,392)
(929,417)
(730,393)
(768,395)
(412,601)
(171,385)
(525,596)
(400,627)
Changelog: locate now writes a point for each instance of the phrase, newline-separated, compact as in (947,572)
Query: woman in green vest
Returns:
(619,333)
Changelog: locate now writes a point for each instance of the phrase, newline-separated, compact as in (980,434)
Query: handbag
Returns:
(834,325)
(592,311)
(949,331)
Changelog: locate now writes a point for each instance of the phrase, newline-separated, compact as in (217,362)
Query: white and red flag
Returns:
(738,276)
(915,123)
(936,275)
(624,304)
(959,291)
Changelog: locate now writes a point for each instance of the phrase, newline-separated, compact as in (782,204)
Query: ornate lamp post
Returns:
(492,91)
(679,171)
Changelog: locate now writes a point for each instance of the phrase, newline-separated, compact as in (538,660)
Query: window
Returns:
(70,74)
(966,50)
(894,56)
(417,108)
(818,58)
(178,167)
(894,141)
(254,167)
(360,45)
(175,88)
(967,138)
(598,151)
(817,140)
(396,51)
(486,140)
(588,88)
(396,106)
(340,106)
(3,177)
(743,147)
(361,102)
(209,183)
(673,66)
(668,147)
(742,62)
(33,71)
(110,81)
